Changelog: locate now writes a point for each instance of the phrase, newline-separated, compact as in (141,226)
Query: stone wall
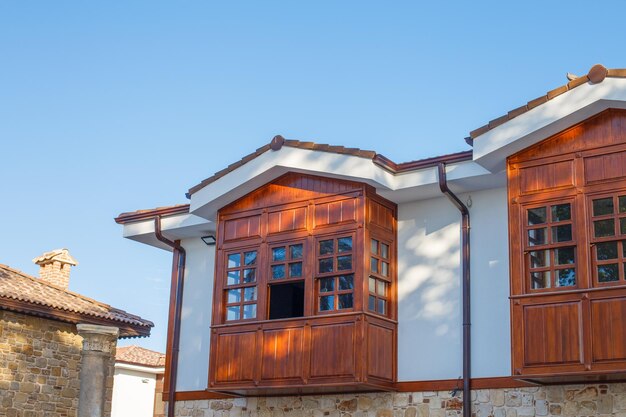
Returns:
(40,366)
(567,400)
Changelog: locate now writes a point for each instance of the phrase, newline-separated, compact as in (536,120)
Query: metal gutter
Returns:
(465,251)
(177,286)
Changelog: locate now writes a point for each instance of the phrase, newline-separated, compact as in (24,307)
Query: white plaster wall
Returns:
(429,292)
(193,359)
(133,393)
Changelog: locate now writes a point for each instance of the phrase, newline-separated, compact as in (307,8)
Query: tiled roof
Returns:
(61,255)
(29,295)
(140,356)
(596,74)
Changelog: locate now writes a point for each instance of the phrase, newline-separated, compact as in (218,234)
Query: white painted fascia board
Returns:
(493,147)
(179,226)
(140,368)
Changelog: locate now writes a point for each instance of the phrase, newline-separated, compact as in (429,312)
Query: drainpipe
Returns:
(178,273)
(465,247)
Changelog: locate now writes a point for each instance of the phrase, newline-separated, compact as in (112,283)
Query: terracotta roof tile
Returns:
(140,356)
(596,74)
(29,295)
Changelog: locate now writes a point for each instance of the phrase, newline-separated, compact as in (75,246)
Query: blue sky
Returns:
(108,107)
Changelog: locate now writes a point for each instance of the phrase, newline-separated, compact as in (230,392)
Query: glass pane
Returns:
(622,226)
(602,228)
(565,277)
(372,285)
(327,247)
(249,294)
(278,271)
(374,265)
(234,296)
(382,288)
(327,303)
(607,250)
(539,258)
(384,251)
(564,256)
(384,268)
(374,246)
(603,206)
(540,280)
(326,265)
(561,212)
(327,284)
(295,270)
(622,204)
(249,275)
(608,273)
(295,251)
(562,233)
(382,307)
(344,244)
(537,237)
(279,254)
(537,216)
(234,260)
(249,311)
(249,258)
(371,303)
(346,282)
(344,263)
(232,313)
(624,248)
(233,278)
(345,301)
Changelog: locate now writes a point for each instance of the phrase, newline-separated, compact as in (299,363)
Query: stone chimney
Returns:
(54,267)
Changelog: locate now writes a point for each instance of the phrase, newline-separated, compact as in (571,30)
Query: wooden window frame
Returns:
(241,285)
(378,277)
(335,273)
(618,238)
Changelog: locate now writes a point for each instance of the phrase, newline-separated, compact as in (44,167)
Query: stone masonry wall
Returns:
(40,366)
(567,400)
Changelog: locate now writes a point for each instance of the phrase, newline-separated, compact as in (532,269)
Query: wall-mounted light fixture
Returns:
(208,240)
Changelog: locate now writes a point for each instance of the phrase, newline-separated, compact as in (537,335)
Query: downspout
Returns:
(465,248)
(178,273)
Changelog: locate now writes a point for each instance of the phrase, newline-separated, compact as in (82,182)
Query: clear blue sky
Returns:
(108,107)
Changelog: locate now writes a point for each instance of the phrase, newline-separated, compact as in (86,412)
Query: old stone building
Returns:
(47,334)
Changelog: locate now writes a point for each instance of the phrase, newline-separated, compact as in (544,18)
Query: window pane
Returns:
(344,263)
(295,251)
(606,251)
(249,311)
(234,260)
(603,206)
(346,282)
(327,247)
(384,251)
(624,248)
(371,303)
(345,301)
(295,270)
(374,265)
(326,265)
(384,268)
(327,303)
(608,273)
(279,254)
(249,294)
(278,271)
(234,296)
(344,244)
(562,233)
(382,307)
(233,278)
(537,216)
(539,258)
(372,285)
(249,275)
(374,246)
(561,212)
(566,277)
(540,279)
(327,284)
(382,288)
(250,258)
(622,204)
(622,226)
(564,256)
(537,237)
(604,228)
(232,313)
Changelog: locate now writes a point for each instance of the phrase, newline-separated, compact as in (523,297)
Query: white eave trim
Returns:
(140,368)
